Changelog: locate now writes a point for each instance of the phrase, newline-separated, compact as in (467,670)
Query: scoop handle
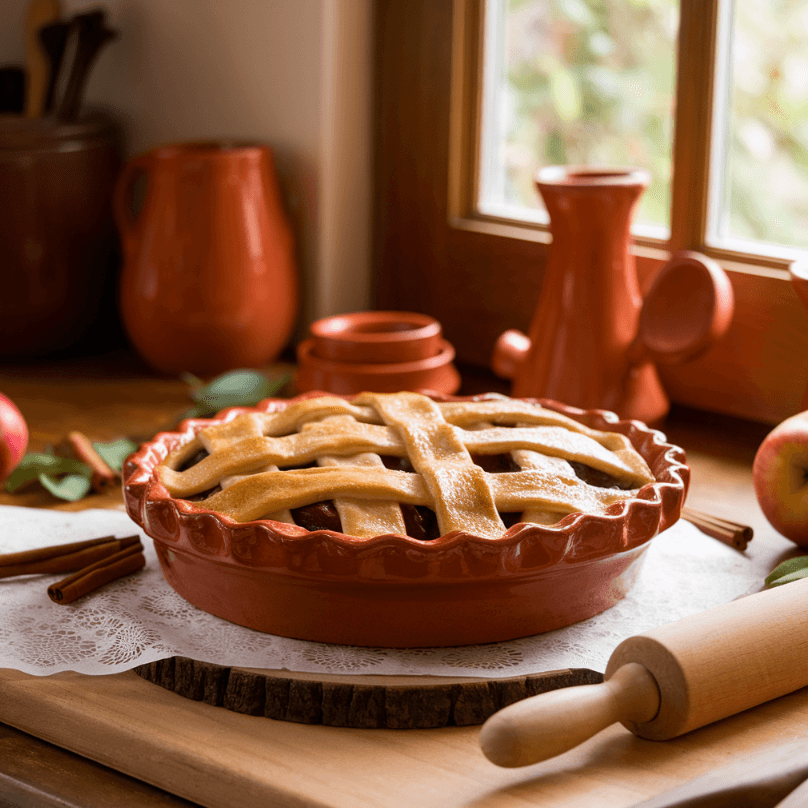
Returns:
(546,725)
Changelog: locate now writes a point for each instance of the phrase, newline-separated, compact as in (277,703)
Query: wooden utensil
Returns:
(669,681)
(88,34)
(53,39)
(40,12)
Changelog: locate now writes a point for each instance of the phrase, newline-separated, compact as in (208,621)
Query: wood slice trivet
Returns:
(361,701)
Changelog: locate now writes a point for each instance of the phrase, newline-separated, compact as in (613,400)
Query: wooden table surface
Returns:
(168,750)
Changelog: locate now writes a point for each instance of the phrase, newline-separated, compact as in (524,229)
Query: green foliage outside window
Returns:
(590,82)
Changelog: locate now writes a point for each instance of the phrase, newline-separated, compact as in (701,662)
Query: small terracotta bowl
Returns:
(396,591)
(376,337)
(434,373)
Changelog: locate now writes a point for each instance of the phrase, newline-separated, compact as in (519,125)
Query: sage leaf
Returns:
(71,487)
(788,571)
(236,388)
(35,463)
(114,452)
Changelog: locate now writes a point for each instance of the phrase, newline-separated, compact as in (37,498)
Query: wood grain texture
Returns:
(366,702)
(696,51)
(723,660)
(220,758)
(36,774)
(540,728)
(670,680)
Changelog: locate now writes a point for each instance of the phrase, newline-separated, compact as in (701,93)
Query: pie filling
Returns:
(421,522)
(402,463)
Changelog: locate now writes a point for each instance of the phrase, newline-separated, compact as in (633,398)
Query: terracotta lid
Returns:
(376,337)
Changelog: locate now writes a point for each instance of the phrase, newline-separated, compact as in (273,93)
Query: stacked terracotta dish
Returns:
(379,351)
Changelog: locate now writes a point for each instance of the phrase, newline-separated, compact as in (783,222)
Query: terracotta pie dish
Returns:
(463,575)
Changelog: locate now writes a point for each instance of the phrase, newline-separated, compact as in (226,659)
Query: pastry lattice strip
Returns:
(437,439)
(261,494)
(502,411)
(255,451)
(363,517)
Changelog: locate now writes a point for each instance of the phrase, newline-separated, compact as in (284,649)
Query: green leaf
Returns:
(115,452)
(236,388)
(35,463)
(72,487)
(788,571)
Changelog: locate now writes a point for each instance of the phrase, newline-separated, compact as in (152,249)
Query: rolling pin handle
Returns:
(546,725)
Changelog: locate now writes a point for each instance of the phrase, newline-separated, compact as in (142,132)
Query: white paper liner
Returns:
(139,619)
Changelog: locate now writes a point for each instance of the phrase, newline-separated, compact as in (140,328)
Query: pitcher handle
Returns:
(125,219)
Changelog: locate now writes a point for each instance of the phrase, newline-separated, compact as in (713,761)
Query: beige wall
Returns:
(294,74)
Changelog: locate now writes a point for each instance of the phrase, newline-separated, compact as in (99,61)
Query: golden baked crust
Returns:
(249,459)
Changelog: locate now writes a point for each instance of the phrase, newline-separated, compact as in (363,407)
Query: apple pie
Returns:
(338,501)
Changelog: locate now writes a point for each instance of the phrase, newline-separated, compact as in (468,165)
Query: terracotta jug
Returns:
(209,280)
(593,340)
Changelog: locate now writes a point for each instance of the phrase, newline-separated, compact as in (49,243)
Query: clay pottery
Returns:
(209,281)
(56,231)
(395,591)
(434,373)
(381,337)
(593,341)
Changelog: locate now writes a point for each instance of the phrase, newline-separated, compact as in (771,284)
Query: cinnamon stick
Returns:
(97,575)
(731,533)
(62,557)
(81,447)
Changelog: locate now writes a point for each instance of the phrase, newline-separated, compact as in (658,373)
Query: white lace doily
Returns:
(140,619)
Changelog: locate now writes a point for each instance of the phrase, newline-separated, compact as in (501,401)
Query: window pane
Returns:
(762,130)
(577,82)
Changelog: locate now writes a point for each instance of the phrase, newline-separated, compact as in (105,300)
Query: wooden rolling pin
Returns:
(670,680)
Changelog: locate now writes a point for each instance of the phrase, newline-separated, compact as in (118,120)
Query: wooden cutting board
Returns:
(219,759)
(361,701)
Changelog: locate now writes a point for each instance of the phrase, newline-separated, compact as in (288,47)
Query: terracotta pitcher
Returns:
(593,340)
(209,280)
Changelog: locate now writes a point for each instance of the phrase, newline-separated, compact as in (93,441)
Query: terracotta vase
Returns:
(209,281)
(593,340)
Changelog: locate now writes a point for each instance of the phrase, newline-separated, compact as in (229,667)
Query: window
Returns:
(458,241)
(760,166)
(593,82)
(577,82)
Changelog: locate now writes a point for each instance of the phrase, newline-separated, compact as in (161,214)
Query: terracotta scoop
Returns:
(687,309)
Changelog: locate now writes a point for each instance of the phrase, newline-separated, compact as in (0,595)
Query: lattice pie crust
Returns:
(254,461)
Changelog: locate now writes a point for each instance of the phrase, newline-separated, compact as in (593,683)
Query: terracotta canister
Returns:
(57,239)
(209,281)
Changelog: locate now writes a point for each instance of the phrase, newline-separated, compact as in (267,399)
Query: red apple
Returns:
(780,476)
(13,436)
